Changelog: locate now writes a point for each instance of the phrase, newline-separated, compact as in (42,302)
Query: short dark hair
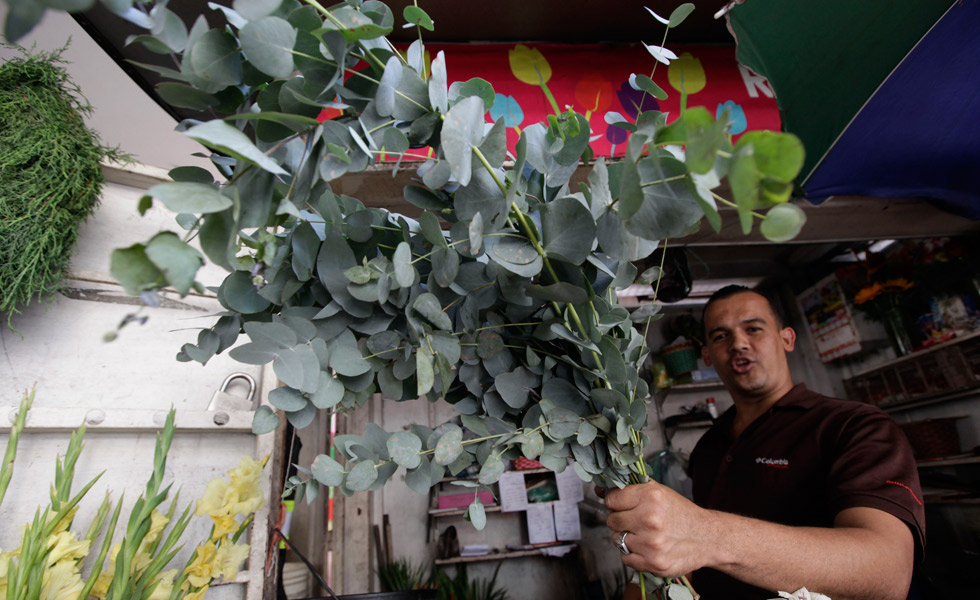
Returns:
(731,290)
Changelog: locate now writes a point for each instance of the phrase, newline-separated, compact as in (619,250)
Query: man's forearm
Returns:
(867,555)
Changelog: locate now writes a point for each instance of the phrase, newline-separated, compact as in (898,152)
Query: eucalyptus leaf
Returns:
(449,446)
(361,476)
(264,421)
(404,448)
(477,515)
(461,131)
(222,137)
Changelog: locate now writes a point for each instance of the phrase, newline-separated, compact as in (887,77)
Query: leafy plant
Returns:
(461,587)
(48,563)
(402,574)
(499,299)
(50,179)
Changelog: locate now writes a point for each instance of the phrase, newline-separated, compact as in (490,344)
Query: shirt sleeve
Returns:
(873,467)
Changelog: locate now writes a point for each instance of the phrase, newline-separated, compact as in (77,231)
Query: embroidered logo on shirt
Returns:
(776,463)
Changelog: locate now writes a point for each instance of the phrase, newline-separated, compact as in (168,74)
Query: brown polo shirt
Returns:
(802,462)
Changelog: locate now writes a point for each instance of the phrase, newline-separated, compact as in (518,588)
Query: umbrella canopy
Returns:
(885,94)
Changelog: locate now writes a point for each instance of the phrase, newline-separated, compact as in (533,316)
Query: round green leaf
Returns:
(424,373)
(404,448)
(361,476)
(477,515)
(402,260)
(287,399)
(417,16)
(449,446)
(427,305)
(562,423)
(185,96)
(534,446)
(491,471)
(586,433)
(185,197)
(176,259)
(238,293)
(264,421)
(461,131)
(329,392)
(567,230)
(327,471)
(515,254)
(783,222)
(515,385)
(302,417)
(225,138)
(268,45)
(214,58)
(384,344)
(489,344)
(679,14)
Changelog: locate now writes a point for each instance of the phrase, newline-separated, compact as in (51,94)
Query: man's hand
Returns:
(668,534)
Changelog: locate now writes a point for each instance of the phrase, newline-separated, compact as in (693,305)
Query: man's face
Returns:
(747,347)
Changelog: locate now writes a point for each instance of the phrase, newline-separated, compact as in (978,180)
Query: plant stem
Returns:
(10,454)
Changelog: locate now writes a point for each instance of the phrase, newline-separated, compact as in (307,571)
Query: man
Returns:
(792,489)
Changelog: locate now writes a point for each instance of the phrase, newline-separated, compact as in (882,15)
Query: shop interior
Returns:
(926,375)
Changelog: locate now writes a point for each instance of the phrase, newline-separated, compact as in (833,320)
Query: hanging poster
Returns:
(829,319)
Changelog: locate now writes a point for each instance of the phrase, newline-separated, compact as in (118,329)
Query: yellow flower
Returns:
(66,547)
(214,499)
(198,595)
(223,525)
(230,558)
(529,65)
(868,293)
(245,488)
(165,585)
(203,568)
(157,524)
(61,582)
(899,284)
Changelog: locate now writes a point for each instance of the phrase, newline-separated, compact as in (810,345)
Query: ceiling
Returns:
(831,228)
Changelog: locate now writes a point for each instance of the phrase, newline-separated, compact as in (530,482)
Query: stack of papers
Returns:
(475,550)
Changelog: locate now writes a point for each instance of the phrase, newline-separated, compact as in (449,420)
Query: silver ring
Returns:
(621,543)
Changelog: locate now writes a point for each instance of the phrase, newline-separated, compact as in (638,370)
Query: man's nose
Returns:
(740,340)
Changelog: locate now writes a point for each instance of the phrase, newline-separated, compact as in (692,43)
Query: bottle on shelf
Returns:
(712,409)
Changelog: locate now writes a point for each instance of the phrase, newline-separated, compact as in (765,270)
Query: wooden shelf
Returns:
(704,424)
(492,556)
(695,386)
(458,512)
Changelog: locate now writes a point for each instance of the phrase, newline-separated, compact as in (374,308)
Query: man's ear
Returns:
(705,357)
(788,335)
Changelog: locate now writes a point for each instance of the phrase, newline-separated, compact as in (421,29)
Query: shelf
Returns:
(949,461)
(492,556)
(933,400)
(459,512)
(704,424)
(525,471)
(917,354)
(694,386)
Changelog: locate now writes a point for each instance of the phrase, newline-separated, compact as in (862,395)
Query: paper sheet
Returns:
(569,486)
(513,495)
(540,524)
(567,524)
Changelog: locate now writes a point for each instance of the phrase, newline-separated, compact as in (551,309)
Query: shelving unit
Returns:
(495,556)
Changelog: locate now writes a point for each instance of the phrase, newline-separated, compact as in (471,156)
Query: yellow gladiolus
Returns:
(214,498)
(165,585)
(204,567)
(686,74)
(223,525)
(246,487)
(66,547)
(61,582)
(529,65)
(230,558)
(198,595)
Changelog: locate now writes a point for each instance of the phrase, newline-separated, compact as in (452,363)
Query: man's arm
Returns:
(867,555)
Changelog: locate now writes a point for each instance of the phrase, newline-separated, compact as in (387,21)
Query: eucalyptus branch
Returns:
(319,7)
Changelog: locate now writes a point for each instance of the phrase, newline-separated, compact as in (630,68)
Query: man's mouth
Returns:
(741,364)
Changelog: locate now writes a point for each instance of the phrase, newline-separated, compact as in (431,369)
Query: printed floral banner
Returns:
(594,79)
